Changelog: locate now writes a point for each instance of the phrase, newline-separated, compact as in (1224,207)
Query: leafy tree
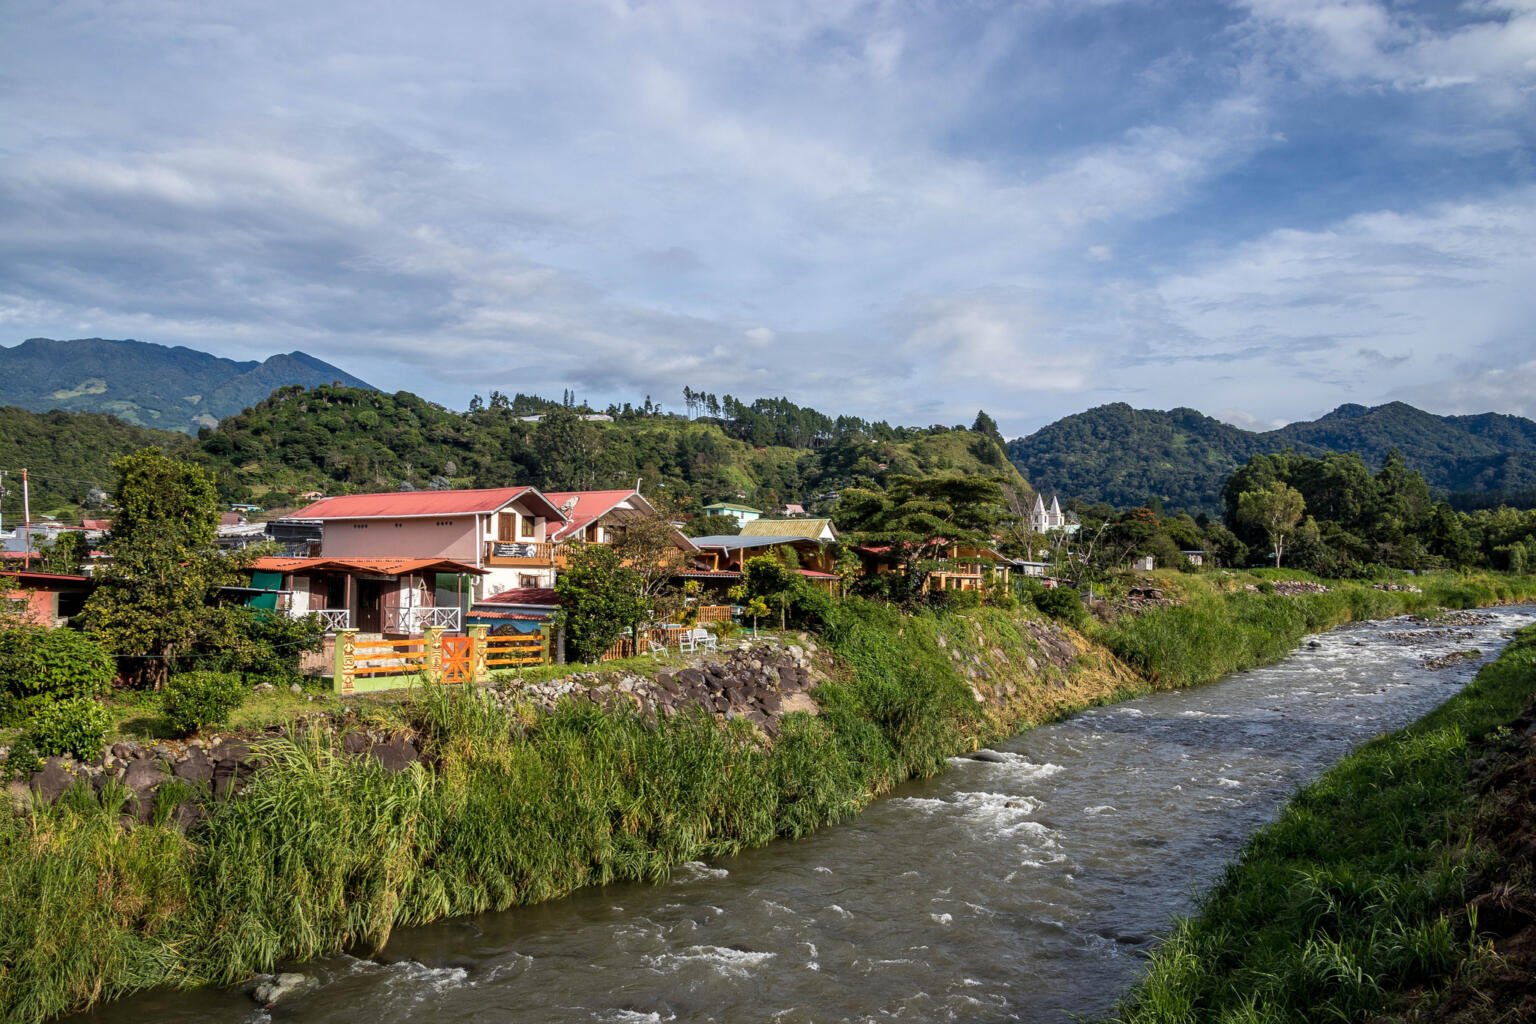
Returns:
(153,604)
(1276,509)
(570,451)
(769,580)
(599,598)
(66,554)
(650,547)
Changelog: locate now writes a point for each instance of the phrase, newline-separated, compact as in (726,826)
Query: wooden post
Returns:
(478,672)
(344,669)
(432,643)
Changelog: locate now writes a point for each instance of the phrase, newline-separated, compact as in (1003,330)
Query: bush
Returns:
(76,725)
(41,665)
(196,700)
(1063,604)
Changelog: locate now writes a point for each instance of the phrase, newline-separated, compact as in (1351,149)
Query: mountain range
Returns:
(1180,458)
(147,384)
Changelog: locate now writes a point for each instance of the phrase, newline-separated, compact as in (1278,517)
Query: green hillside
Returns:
(1128,457)
(338,439)
(68,454)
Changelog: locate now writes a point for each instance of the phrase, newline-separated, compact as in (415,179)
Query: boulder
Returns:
(54,780)
(396,754)
(196,769)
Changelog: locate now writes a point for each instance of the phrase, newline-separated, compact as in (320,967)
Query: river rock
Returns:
(272,989)
(989,756)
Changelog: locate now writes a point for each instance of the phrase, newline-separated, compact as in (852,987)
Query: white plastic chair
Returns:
(703,637)
(685,641)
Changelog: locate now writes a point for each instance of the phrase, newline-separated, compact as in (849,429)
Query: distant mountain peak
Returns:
(170,387)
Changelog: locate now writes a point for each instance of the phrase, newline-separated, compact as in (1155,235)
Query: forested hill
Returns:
(1128,457)
(147,384)
(766,453)
(68,455)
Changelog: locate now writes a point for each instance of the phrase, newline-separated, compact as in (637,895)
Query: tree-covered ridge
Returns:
(68,455)
(1177,459)
(338,439)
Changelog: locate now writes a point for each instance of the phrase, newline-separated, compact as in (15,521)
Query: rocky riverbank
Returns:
(759,681)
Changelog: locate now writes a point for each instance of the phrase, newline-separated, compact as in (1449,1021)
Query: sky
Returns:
(904,211)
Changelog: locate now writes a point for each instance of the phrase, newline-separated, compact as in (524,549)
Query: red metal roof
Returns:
(376,566)
(408,504)
(586,506)
(28,576)
(813,574)
(523,596)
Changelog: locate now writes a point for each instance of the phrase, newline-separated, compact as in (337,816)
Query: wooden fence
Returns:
(437,657)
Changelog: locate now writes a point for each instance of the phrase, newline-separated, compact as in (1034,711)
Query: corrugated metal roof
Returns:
(542,596)
(410,504)
(584,507)
(810,529)
(733,542)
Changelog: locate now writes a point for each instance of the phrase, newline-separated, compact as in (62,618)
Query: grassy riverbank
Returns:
(1363,899)
(324,852)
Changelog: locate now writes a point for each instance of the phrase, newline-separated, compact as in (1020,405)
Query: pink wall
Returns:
(450,537)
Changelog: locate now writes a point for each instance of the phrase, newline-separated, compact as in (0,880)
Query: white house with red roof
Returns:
(385,558)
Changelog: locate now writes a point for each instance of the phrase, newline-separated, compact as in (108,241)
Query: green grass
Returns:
(1354,896)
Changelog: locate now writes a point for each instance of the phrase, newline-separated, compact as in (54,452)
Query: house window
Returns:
(525,580)
(525,527)
(506,526)
(399,526)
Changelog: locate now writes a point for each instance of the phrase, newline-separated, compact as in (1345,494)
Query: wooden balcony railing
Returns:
(411,621)
(522,552)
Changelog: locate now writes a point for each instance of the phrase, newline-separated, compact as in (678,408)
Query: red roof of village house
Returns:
(587,506)
(424,504)
(523,595)
(379,566)
(28,576)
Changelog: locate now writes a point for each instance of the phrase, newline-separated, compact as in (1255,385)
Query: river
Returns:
(1024,887)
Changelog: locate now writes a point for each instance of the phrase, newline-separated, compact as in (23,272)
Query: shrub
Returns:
(1063,604)
(76,725)
(41,665)
(196,700)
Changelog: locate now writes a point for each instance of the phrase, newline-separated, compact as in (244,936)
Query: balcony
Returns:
(411,621)
(515,553)
(331,619)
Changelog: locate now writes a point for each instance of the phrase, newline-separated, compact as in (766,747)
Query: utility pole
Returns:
(26,520)
(2,501)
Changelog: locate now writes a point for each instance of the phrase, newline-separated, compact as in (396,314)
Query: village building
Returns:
(743,514)
(1046,520)
(814,529)
(46,598)
(398,562)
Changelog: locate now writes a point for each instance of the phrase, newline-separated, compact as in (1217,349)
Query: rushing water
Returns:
(1021,888)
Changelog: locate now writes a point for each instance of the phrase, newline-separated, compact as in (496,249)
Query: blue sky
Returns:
(906,211)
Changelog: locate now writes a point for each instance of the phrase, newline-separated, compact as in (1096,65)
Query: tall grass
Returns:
(1211,633)
(1351,898)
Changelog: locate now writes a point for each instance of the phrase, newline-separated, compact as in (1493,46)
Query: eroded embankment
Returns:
(325,849)
(1398,886)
